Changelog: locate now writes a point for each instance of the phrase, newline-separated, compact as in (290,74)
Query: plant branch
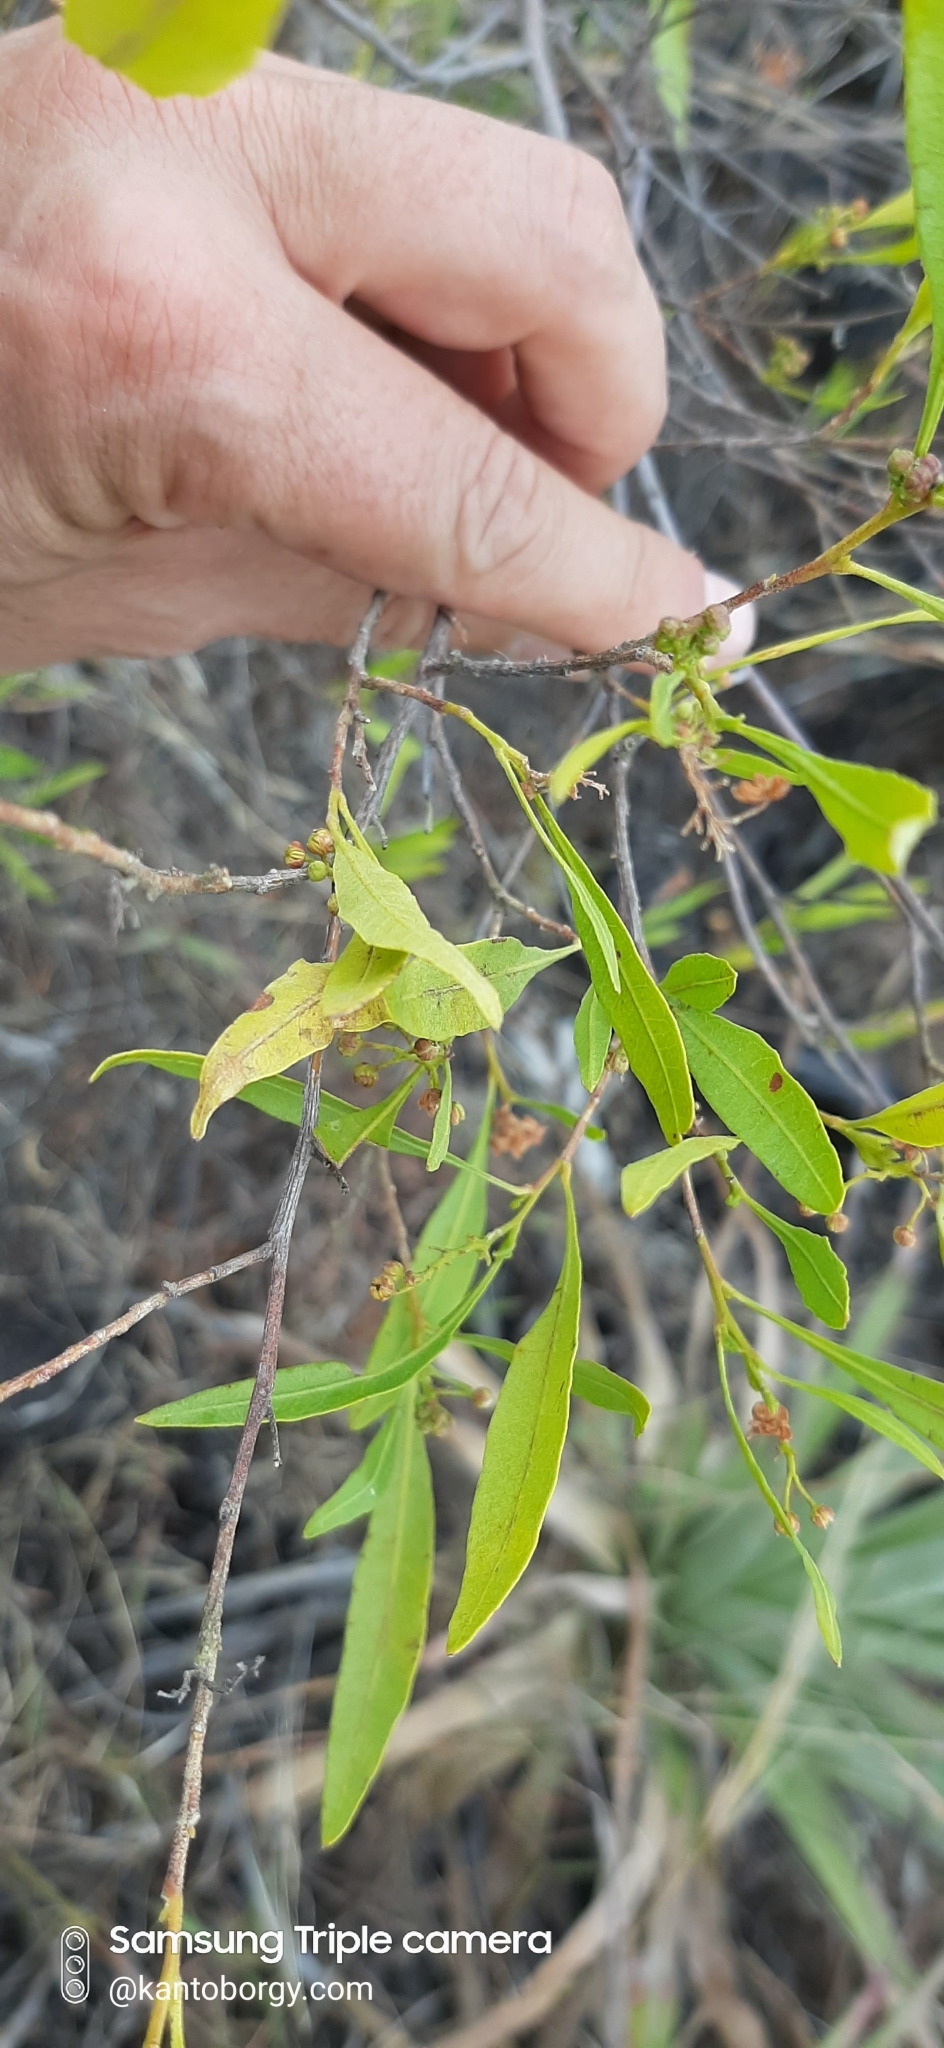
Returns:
(169,1290)
(154,881)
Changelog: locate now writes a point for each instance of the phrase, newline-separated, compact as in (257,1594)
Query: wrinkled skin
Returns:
(264,352)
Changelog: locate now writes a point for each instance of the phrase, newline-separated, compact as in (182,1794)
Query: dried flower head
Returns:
(513,1134)
(430,1100)
(821,1517)
(365,1075)
(388,1282)
(837,1223)
(905,1236)
(770,1422)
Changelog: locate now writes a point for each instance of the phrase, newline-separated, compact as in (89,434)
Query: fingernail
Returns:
(743,622)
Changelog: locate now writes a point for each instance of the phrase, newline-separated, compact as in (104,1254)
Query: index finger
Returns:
(470,235)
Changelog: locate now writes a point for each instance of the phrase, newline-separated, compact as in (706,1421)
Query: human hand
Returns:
(264,352)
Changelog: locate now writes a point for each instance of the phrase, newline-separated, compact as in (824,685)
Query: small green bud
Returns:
(317,870)
(365,1075)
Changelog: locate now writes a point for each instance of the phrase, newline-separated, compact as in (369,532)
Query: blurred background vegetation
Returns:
(648,1752)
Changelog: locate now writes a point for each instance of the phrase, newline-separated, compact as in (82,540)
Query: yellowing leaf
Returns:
(381,909)
(173,46)
(917,1120)
(522,1451)
(645,1179)
(428,1001)
(386,1625)
(358,978)
(285,1024)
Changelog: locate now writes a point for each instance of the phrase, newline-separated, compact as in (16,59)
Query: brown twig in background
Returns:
(495,667)
(154,881)
(169,1290)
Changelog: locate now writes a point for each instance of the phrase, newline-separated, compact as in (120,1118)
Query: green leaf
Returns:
(53,786)
(591,1039)
(923,53)
(643,1180)
(341,1127)
(439,1143)
(301,1391)
(358,977)
(877,1419)
(636,1008)
(414,855)
(824,1606)
(386,1626)
(671,61)
(523,1449)
(447,1253)
(916,1120)
(359,1494)
(700,981)
(22,875)
(878,814)
(565,778)
(661,720)
(593,1383)
(821,1278)
(172,46)
(781,1125)
(431,1002)
(285,1024)
(380,908)
(17,767)
(915,1399)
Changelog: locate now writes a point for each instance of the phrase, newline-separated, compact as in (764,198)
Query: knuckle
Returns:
(592,224)
(500,521)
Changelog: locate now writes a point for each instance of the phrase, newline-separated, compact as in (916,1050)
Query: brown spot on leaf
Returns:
(263,1002)
(775,1083)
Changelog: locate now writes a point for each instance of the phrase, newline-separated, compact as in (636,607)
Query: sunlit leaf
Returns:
(878,814)
(386,1626)
(923,54)
(877,1419)
(286,1023)
(643,1180)
(16,766)
(749,1088)
(427,1001)
(358,977)
(565,778)
(671,61)
(591,1039)
(592,1383)
(637,1009)
(700,981)
(912,1396)
(523,1449)
(916,1120)
(439,1142)
(414,855)
(382,910)
(172,46)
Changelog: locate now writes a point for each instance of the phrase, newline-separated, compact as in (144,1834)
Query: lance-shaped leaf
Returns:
(565,777)
(359,1494)
(172,46)
(636,1008)
(822,1282)
(381,909)
(386,1626)
(916,1120)
(301,1391)
(439,1142)
(643,1180)
(747,1085)
(341,1127)
(285,1024)
(700,981)
(358,977)
(591,1039)
(878,814)
(923,52)
(912,1396)
(593,1383)
(875,1418)
(522,1451)
(430,1002)
(447,1253)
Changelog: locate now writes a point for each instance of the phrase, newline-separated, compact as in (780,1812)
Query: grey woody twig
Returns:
(154,881)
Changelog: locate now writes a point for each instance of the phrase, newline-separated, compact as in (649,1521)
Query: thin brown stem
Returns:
(154,881)
(169,1290)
